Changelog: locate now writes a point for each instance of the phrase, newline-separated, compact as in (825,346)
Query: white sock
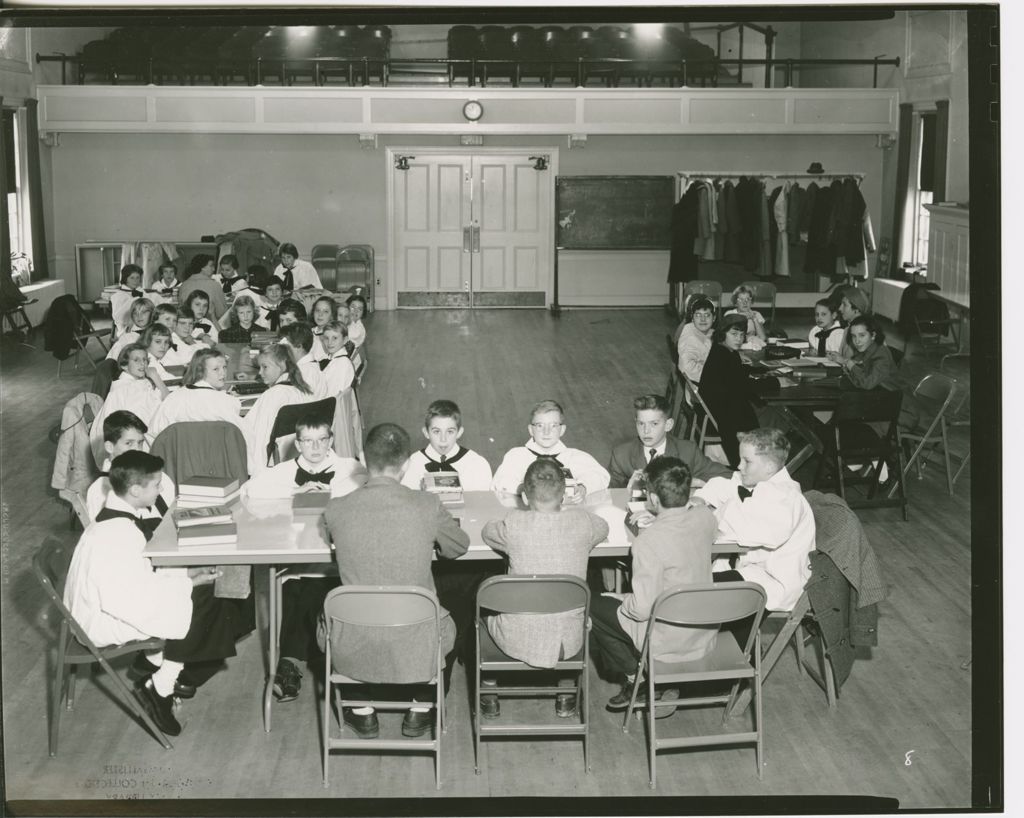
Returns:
(362,711)
(419,709)
(165,677)
(156,657)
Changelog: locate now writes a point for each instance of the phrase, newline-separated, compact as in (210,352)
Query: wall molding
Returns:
(397,110)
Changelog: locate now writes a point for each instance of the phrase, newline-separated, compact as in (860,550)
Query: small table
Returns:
(822,395)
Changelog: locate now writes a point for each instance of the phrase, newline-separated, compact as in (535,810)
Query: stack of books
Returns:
(210,525)
(446,485)
(312,503)
(199,492)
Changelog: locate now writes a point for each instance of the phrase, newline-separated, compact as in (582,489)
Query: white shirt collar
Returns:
(330,461)
(659,449)
(115,503)
(555,450)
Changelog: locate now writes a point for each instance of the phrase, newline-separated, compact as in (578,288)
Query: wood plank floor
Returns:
(911,694)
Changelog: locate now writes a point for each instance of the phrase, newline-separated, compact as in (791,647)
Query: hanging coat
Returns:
(682,260)
(748,200)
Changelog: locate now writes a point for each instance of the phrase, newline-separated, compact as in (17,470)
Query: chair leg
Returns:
(327,713)
(798,643)
(58,691)
(72,676)
(652,751)
(758,726)
(582,703)
(945,454)
(134,706)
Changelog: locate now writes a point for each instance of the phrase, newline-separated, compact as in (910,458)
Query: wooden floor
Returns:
(910,698)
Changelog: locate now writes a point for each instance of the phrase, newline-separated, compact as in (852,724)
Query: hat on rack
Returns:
(815,168)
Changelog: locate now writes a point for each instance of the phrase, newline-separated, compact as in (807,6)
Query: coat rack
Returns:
(766,174)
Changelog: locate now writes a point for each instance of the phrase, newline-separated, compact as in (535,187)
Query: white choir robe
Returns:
(240,288)
(304,274)
(317,350)
(194,403)
(130,337)
(161,364)
(184,352)
(121,301)
(156,293)
(259,422)
(206,327)
(280,480)
(357,333)
(96,496)
(113,591)
(338,375)
(776,523)
(138,396)
(473,470)
(584,468)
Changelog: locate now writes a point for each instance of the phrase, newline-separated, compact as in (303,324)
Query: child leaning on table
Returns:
(442,427)
(544,539)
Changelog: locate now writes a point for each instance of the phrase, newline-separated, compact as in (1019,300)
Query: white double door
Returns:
(472,230)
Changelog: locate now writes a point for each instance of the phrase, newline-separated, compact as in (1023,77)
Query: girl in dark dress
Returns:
(726,386)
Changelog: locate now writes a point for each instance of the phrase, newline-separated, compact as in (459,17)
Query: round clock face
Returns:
(472,110)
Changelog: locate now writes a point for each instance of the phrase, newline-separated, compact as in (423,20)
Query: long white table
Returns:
(272,534)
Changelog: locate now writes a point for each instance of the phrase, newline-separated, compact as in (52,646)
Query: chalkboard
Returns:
(614,212)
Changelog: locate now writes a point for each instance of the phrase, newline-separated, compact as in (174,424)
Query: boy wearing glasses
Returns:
(317,468)
(547,425)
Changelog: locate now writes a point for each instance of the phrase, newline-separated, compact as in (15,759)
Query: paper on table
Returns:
(813,361)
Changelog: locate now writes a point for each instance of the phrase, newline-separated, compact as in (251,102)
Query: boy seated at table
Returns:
(336,366)
(123,431)
(227,272)
(164,288)
(270,303)
(546,428)
(166,314)
(116,596)
(183,345)
(442,427)
(653,423)
(317,469)
(763,509)
(544,539)
(673,547)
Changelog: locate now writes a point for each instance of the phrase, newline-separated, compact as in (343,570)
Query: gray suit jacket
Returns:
(384,534)
(629,456)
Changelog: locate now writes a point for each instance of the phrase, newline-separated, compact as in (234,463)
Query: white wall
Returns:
(326,189)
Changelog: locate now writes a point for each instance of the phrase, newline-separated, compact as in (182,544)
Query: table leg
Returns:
(272,637)
(813,444)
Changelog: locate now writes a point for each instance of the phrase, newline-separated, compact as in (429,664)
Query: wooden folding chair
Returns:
(50,565)
(764,295)
(703,429)
(282,436)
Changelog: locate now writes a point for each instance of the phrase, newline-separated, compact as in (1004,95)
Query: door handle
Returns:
(467,239)
(476,238)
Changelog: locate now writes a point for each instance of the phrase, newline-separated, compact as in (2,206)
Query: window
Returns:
(921,188)
(15,195)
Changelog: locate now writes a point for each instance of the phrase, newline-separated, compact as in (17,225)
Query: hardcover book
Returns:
(208,534)
(207,486)
(206,515)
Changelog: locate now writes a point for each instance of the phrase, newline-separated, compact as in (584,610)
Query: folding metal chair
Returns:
(934,391)
(712,289)
(50,565)
(386,608)
(703,429)
(282,436)
(531,596)
(676,390)
(702,605)
(854,440)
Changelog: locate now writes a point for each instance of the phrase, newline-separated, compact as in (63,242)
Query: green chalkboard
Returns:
(614,212)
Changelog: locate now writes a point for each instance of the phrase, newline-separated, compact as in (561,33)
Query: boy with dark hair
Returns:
(290,312)
(545,539)
(547,425)
(166,284)
(653,423)
(123,431)
(674,549)
(442,427)
(386,534)
(270,303)
(116,596)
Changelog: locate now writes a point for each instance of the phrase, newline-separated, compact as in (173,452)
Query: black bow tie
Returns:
(166,291)
(272,314)
(432,466)
(202,325)
(566,471)
(302,476)
(174,346)
(193,386)
(744,492)
(324,363)
(138,293)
